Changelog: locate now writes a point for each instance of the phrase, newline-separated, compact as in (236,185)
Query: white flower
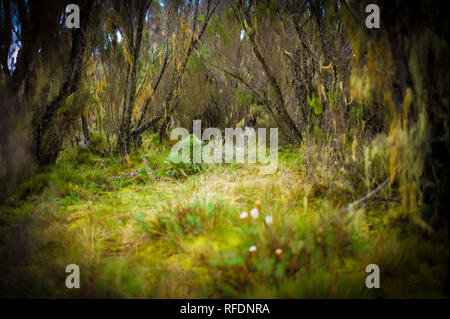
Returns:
(243,215)
(252,249)
(269,220)
(254,213)
(278,253)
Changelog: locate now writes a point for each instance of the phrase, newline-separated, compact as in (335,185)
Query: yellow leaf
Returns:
(407,101)
(328,67)
(354,145)
(127,55)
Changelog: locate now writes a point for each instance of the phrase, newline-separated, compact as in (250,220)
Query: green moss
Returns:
(158,237)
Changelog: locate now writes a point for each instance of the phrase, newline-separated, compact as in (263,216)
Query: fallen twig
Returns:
(379,199)
(128,174)
(131,174)
(367,196)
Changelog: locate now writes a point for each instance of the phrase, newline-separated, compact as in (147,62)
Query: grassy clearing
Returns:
(161,235)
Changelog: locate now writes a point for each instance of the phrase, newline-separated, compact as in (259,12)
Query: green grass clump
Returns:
(98,144)
(181,163)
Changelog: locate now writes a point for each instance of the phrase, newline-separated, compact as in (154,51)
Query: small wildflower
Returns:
(254,213)
(252,249)
(269,220)
(258,204)
(243,216)
(278,253)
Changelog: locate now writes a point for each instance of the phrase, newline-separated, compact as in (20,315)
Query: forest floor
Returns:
(151,235)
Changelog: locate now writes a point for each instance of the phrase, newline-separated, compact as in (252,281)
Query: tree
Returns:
(132,17)
(194,37)
(47,144)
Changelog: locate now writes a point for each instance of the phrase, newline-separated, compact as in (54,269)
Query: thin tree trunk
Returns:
(125,131)
(280,109)
(155,87)
(5,41)
(85,130)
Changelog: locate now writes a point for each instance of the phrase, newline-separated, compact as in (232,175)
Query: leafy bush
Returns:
(98,144)
(180,164)
(143,176)
(35,185)
(84,157)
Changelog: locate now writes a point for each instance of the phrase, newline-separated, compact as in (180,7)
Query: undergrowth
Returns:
(149,228)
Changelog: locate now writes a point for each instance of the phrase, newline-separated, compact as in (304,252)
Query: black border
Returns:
(279,308)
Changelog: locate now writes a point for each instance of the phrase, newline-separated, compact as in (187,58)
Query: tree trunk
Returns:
(47,144)
(85,130)
(124,138)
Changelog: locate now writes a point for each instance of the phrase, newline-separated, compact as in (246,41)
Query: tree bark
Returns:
(45,150)
(85,130)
